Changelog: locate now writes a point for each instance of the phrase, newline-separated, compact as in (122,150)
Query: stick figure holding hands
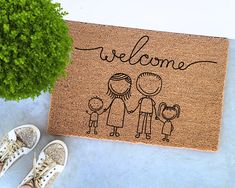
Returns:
(168,113)
(119,89)
(148,84)
(95,104)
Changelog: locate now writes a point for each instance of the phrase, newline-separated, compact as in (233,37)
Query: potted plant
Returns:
(35,47)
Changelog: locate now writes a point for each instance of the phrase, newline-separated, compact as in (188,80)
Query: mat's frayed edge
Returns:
(213,150)
(152,30)
(223,95)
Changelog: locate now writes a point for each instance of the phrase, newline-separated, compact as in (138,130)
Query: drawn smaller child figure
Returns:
(95,105)
(168,113)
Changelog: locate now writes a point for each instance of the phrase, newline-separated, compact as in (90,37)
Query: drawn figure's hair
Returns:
(96,97)
(149,74)
(118,77)
(177,107)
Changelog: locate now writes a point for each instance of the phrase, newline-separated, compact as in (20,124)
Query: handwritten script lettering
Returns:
(144,59)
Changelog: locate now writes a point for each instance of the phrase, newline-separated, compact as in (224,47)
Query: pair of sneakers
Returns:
(51,161)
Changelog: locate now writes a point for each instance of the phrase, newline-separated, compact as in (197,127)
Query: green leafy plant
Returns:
(35,47)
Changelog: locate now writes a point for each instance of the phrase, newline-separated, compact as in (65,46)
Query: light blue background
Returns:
(106,164)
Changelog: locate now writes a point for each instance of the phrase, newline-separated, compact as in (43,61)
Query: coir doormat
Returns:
(141,86)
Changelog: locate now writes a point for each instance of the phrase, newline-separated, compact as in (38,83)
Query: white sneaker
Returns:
(50,164)
(18,142)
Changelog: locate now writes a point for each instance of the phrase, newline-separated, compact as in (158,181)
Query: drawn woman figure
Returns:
(119,89)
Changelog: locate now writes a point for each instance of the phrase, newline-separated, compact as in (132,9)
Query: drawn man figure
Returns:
(149,85)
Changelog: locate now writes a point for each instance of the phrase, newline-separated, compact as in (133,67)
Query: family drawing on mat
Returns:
(119,90)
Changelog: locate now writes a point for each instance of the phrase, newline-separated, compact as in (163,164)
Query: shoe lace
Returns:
(39,171)
(9,148)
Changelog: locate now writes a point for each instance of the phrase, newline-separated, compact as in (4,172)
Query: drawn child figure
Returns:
(148,84)
(119,89)
(95,104)
(168,113)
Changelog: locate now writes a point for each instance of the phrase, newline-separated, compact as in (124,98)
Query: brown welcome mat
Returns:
(141,86)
